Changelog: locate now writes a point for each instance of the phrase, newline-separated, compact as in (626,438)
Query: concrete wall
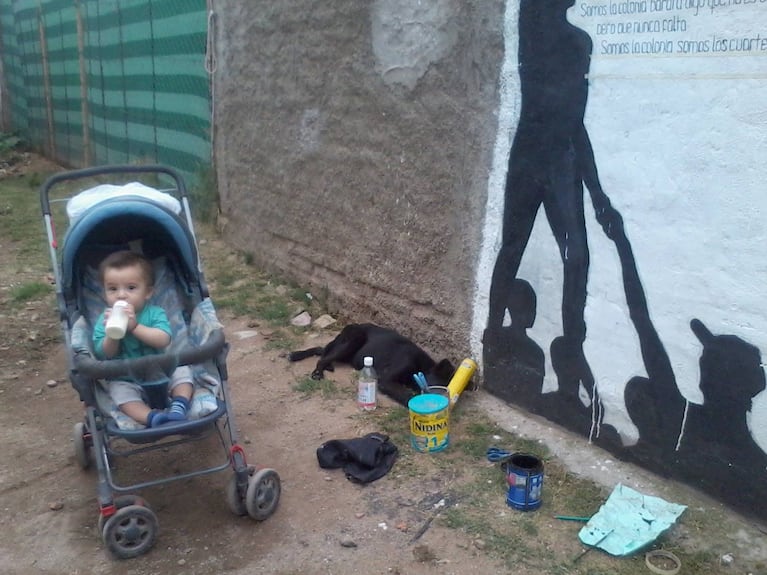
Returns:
(572,194)
(353,142)
(648,294)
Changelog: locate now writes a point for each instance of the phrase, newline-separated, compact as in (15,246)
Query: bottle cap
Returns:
(368,361)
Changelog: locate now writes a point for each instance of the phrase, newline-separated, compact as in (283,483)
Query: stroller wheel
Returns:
(130,532)
(263,494)
(120,502)
(83,445)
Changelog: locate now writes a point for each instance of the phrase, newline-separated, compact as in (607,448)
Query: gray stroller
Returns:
(155,220)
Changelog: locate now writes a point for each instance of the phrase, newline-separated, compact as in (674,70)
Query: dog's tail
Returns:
(304,353)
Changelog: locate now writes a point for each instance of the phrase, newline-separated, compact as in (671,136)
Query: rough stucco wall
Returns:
(352,142)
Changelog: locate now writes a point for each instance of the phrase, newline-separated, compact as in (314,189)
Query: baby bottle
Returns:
(117,324)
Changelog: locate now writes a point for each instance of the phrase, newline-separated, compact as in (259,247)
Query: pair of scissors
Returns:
(498,455)
(420,380)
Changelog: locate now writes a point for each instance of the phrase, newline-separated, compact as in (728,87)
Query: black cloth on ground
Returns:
(363,459)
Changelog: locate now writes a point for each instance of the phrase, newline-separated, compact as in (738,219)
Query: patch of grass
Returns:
(282,340)
(394,422)
(243,290)
(308,387)
(274,310)
(21,220)
(203,194)
(30,291)
(9,143)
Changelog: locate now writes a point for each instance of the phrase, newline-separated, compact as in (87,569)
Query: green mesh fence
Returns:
(94,82)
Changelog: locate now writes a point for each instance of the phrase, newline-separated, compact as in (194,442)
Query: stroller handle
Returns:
(142,368)
(56,179)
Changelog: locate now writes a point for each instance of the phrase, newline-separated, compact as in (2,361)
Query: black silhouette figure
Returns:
(519,360)
(708,445)
(550,156)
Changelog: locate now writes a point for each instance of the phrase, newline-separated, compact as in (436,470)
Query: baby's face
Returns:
(126,284)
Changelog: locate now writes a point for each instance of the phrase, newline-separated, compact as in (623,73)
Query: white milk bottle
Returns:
(117,324)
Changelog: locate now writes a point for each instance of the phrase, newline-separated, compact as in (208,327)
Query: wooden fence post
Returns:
(47,85)
(83,86)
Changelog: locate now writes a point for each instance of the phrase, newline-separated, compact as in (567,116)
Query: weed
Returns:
(30,291)
(395,422)
(204,194)
(9,143)
(282,340)
(308,387)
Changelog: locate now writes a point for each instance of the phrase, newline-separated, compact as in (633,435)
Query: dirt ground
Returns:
(324,524)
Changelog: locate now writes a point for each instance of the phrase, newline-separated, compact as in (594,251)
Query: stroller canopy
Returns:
(126,222)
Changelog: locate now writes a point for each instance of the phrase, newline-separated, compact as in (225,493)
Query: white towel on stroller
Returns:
(92,196)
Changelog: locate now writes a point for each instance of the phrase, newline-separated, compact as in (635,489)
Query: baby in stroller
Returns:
(164,382)
(128,277)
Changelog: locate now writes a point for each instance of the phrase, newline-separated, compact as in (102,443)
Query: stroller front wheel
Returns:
(264,490)
(120,502)
(130,532)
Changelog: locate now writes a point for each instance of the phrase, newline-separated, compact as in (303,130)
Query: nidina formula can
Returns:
(429,414)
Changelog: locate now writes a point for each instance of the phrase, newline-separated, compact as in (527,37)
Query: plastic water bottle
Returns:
(366,386)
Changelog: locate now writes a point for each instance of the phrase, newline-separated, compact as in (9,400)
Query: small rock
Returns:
(727,559)
(181,562)
(56,506)
(51,383)
(359,515)
(246,334)
(324,321)
(423,553)
(402,526)
(303,319)
(347,542)
(479,544)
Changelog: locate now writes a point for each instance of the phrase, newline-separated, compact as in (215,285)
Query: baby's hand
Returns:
(130,312)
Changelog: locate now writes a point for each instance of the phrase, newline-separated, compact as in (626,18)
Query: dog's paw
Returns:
(317,374)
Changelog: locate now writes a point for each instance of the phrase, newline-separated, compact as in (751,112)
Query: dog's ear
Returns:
(444,370)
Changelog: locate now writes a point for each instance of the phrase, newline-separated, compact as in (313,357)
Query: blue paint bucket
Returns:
(524,474)
(429,413)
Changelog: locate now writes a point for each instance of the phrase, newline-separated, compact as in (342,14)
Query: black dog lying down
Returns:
(395,359)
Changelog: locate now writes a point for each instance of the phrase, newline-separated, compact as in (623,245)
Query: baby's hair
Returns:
(125,259)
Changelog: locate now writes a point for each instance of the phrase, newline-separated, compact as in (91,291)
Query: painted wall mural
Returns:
(619,291)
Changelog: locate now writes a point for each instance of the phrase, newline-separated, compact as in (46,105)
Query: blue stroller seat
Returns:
(157,223)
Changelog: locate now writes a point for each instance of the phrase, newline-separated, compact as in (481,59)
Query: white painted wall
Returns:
(680,141)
